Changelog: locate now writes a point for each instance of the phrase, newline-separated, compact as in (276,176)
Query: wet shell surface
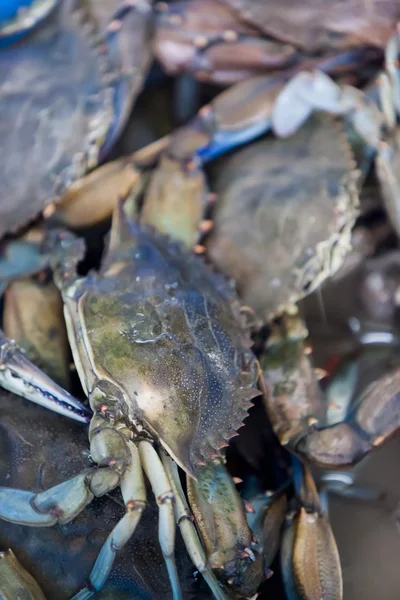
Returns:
(284,214)
(65,92)
(166,330)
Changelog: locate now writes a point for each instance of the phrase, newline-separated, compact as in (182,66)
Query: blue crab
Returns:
(163,356)
(120,422)
(250,37)
(65,93)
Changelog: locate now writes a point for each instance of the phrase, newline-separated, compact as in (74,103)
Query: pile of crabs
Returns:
(156,259)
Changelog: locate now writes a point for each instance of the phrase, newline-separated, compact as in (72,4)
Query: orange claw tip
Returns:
(199,249)
(248,507)
(205,110)
(200,41)
(191,165)
(379,440)
(268,573)
(247,553)
(206,226)
(237,480)
(49,210)
(230,36)
(114,25)
(320,373)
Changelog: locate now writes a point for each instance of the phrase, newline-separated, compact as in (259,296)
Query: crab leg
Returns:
(220,514)
(299,415)
(310,560)
(184,520)
(375,419)
(63,502)
(19,375)
(166,526)
(134,495)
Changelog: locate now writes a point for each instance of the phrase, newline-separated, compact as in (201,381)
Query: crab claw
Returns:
(220,514)
(19,375)
(306,92)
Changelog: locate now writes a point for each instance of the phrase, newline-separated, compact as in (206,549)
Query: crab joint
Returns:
(135,505)
(165,498)
(247,553)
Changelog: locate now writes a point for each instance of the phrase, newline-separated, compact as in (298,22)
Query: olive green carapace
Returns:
(168,331)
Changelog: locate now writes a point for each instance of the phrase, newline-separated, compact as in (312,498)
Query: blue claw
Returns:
(16,507)
(20,376)
(223,141)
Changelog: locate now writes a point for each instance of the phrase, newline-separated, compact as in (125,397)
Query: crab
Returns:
(143,264)
(151,378)
(65,93)
(251,37)
(228,123)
